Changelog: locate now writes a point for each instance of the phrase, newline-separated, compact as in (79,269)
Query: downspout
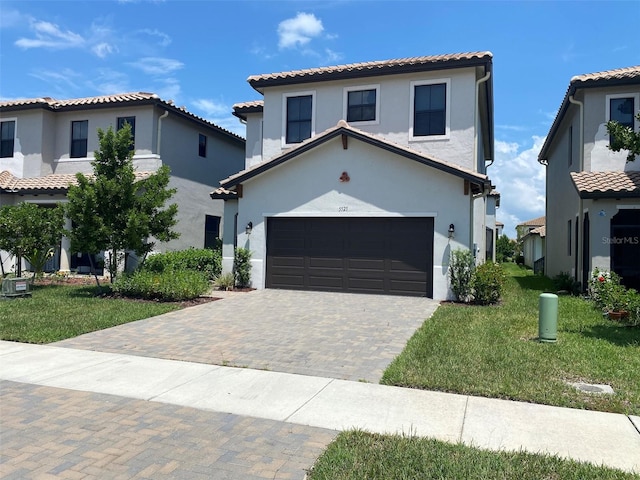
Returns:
(160,118)
(476,116)
(580,253)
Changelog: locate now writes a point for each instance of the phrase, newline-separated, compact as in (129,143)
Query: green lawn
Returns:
(357,455)
(56,312)
(494,352)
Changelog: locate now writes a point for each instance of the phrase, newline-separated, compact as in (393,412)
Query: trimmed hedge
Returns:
(202,260)
(168,286)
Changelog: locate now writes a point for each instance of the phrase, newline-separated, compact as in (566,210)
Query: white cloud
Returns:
(298,31)
(61,80)
(211,108)
(104,49)
(163,38)
(109,81)
(49,35)
(520,179)
(157,65)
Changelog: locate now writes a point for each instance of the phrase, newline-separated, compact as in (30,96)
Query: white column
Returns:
(65,250)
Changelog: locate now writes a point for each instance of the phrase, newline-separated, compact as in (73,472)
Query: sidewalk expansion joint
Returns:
(307,402)
(464,419)
(636,427)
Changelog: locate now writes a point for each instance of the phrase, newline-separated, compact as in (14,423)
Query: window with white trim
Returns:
(430,110)
(361,104)
(299,113)
(7,138)
(622,108)
(79,138)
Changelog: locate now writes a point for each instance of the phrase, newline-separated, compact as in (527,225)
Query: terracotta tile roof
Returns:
(46,184)
(542,231)
(363,69)
(240,110)
(107,101)
(344,128)
(223,193)
(536,222)
(607,184)
(617,74)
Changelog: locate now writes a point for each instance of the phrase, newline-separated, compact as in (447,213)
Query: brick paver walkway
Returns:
(344,336)
(50,433)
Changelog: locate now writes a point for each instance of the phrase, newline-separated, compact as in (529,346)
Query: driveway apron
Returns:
(336,335)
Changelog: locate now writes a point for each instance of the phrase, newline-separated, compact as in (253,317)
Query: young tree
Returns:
(624,138)
(112,211)
(31,232)
(505,248)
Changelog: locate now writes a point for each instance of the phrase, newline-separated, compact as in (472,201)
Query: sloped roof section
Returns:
(343,128)
(607,78)
(241,110)
(53,183)
(542,231)
(536,222)
(221,193)
(116,100)
(607,184)
(367,69)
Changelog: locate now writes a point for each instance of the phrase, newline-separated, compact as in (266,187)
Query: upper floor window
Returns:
(79,137)
(298,117)
(132,123)
(202,145)
(361,104)
(621,110)
(429,105)
(7,137)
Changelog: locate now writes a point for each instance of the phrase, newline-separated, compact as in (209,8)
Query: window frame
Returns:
(202,146)
(345,104)
(85,139)
(120,123)
(285,99)
(12,139)
(447,121)
(636,106)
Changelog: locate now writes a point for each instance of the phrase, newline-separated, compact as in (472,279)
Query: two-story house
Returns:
(364,177)
(45,142)
(593,193)
(532,238)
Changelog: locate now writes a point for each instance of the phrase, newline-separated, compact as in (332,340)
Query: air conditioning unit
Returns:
(15,287)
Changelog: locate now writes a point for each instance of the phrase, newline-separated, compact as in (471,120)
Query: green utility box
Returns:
(15,288)
(548,318)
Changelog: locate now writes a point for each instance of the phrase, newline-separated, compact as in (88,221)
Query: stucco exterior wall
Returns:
(381,184)
(394,121)
(254,139)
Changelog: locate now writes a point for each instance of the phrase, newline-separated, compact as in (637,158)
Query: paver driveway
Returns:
(336,335)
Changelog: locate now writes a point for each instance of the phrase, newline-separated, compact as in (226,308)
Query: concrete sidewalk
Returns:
(596,437)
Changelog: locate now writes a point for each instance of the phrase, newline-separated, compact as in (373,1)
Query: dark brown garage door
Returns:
(359,255)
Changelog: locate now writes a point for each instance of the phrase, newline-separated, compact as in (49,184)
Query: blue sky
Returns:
(200,53)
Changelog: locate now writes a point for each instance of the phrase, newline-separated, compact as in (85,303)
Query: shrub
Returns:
(461,269)
(564,281)
(225,281)
(488,281)
(633,306)
(242,267)
(167,286)
(202,260)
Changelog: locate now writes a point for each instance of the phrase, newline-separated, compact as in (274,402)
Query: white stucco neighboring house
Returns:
(45,142)
(593,193)
(363,178)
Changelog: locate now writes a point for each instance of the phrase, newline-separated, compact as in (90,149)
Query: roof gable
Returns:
(481,181)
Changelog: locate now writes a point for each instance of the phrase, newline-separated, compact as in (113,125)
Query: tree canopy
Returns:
(32,232)
(624,138)
(114,211)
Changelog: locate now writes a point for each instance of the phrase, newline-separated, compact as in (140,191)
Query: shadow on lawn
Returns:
(536,283)
(616,334)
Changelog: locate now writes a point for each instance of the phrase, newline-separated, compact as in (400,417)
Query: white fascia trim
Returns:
(285,96)
(350,214)
(447,130)
(345,103)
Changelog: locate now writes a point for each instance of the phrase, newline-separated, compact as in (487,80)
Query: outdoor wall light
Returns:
(452,230)
(248,228)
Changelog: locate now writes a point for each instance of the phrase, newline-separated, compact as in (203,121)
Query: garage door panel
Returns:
(368,255)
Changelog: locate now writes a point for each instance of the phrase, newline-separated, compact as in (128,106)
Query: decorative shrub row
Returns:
(168,286)
(482,284)
(202,260)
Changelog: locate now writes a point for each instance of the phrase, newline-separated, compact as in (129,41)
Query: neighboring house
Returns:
(45,142)
(593,193)
(364,177)
(531,235)
(499,229)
